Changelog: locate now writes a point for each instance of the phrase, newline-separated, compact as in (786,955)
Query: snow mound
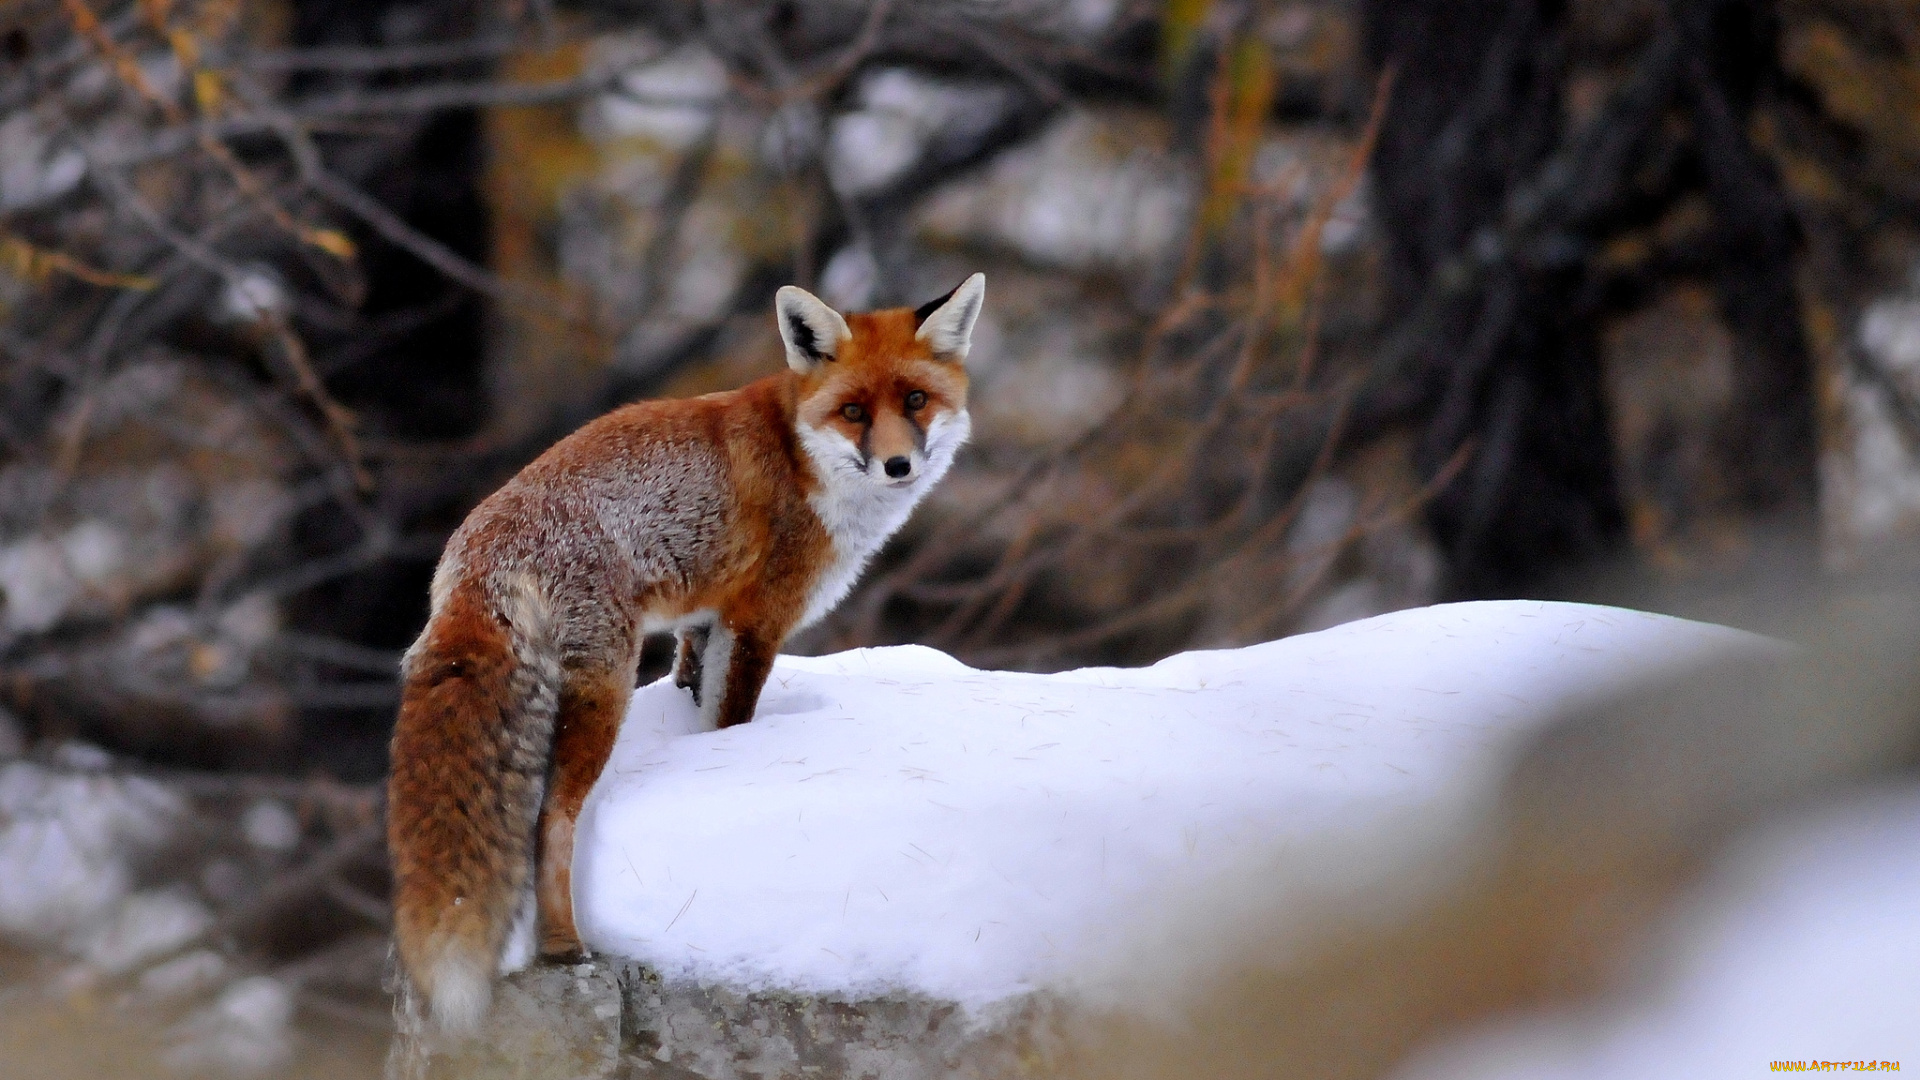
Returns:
(893,820)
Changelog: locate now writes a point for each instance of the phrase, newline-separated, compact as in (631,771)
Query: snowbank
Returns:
(893,820)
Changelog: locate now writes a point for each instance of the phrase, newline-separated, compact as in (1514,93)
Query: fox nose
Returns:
(898,467)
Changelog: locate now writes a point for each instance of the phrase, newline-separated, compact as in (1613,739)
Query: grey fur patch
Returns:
(526,746)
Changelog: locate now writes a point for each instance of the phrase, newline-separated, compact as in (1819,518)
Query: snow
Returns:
(667,98)
(894,820)
(1094,191)
(1802,946)
(271,826)
(68,838)
(147,925)
(899,114)
(1873,474)
(244,1032)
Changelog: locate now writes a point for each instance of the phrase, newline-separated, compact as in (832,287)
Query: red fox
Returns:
(732,519)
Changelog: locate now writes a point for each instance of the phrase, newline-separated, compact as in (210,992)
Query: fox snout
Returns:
(894,448)
(897,470)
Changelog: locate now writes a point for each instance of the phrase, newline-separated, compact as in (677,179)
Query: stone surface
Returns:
(550,1022)
(600,1021)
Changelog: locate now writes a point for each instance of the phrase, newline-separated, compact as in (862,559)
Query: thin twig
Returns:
(395,229)
(372,59)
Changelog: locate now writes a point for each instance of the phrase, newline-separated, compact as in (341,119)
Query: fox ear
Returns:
(946,324)
(812,330)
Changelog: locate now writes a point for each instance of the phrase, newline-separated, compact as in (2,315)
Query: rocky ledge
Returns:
(608,1019)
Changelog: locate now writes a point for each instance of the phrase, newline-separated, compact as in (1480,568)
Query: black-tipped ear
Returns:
(946,324)
(812,331)
(920,313)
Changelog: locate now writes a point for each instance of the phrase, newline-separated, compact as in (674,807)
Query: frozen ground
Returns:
(894,820)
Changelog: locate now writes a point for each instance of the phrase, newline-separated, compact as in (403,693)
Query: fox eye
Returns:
(853,413)
(917,399)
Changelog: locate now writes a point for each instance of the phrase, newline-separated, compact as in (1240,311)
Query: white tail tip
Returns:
(462,994)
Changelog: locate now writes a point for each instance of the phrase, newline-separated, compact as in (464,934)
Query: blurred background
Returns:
(1299,312)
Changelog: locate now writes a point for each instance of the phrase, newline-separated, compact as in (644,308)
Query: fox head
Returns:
(883,395)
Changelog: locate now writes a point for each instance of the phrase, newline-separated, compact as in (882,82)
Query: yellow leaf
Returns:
(332,241)
(206,91)
(185,48)
(1180,34)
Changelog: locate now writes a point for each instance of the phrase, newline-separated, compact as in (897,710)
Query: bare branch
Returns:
(372,59)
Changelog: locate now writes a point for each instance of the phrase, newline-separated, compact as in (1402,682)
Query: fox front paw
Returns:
(562,948)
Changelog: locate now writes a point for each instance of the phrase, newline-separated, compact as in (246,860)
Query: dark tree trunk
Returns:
(412,363)
(1495,217)
(1730,57)
(413,368)
(1509,375)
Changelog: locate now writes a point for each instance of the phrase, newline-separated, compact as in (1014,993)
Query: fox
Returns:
(732,520)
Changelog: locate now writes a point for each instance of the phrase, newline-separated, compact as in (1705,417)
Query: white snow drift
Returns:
(894,820)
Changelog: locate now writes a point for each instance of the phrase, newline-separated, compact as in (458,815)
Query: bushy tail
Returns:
(470,751)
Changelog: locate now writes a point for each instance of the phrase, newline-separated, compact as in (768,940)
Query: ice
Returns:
(894,820)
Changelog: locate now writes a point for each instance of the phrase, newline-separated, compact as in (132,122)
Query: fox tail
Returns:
(470,753)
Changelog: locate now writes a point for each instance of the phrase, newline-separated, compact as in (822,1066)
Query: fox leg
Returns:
(734,669)
(592,704)
(691,647)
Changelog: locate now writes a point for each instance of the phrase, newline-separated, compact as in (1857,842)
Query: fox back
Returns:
(732,519)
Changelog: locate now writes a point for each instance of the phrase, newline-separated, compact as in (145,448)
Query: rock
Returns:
(548,1021)
(688,1030)
(907,868)
(608,1019)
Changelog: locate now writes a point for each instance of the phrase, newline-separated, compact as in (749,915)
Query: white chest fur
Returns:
(859,510)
